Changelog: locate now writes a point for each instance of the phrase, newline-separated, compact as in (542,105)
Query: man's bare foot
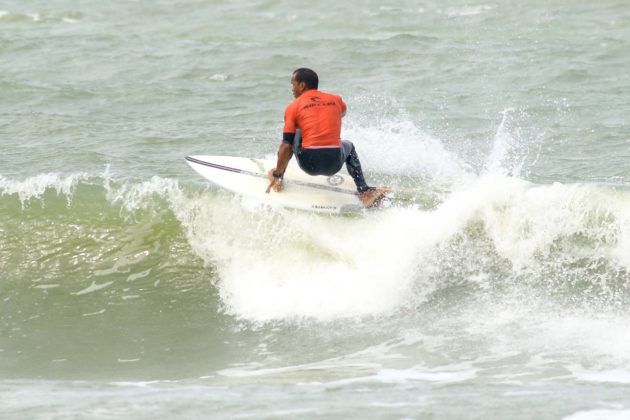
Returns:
(370,197)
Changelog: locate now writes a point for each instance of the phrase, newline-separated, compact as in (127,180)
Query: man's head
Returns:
(302,80)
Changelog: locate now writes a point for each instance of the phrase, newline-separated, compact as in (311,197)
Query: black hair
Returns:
(308,76)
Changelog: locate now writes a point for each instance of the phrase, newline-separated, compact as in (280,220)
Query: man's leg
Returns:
(354,166)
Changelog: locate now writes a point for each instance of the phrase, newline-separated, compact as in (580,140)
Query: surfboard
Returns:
(248,177)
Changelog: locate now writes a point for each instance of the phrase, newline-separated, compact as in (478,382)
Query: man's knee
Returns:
(347,148)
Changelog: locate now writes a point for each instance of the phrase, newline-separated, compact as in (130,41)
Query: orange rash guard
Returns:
(318,115)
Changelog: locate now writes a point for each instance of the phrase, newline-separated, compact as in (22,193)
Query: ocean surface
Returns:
(496,286)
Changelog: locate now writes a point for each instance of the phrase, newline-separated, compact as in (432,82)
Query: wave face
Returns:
(80,235)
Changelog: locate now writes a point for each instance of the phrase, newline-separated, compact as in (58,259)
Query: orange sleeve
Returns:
(290,118)
(343,106)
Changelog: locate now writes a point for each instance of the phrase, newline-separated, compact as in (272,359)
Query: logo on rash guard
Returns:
(318,103)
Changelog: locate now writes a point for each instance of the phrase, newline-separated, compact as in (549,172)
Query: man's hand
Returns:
(274,182)
(285,153)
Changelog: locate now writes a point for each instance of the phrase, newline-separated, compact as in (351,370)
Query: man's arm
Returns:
(285,153)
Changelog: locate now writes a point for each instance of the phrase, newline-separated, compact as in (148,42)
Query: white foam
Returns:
(446,374)
(101,312)
(525,220)
(253,371)
(94,287)
(136,276)
(553,336)
(369,365)
(47,286)
(467,11)
(284,264)
(142,196)
(139,384)
(281,264)
(614,376)
(361,361)
(600,414)
(36,186)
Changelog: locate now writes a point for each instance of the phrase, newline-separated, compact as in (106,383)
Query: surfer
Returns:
(312,129)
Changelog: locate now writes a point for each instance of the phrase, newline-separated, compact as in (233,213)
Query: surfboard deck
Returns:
(248,177)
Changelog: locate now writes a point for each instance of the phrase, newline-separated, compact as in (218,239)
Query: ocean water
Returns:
(496,286)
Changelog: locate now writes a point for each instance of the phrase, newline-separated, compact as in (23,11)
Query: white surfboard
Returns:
(248,177)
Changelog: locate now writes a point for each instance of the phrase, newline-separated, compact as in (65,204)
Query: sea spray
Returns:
(395,145)
(35,186)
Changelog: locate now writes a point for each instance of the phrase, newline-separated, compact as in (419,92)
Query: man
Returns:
(312,129)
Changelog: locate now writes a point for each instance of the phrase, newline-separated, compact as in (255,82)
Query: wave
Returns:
(457,226)
(82,235)
(11,16)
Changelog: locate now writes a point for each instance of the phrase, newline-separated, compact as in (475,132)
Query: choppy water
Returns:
(496,287)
